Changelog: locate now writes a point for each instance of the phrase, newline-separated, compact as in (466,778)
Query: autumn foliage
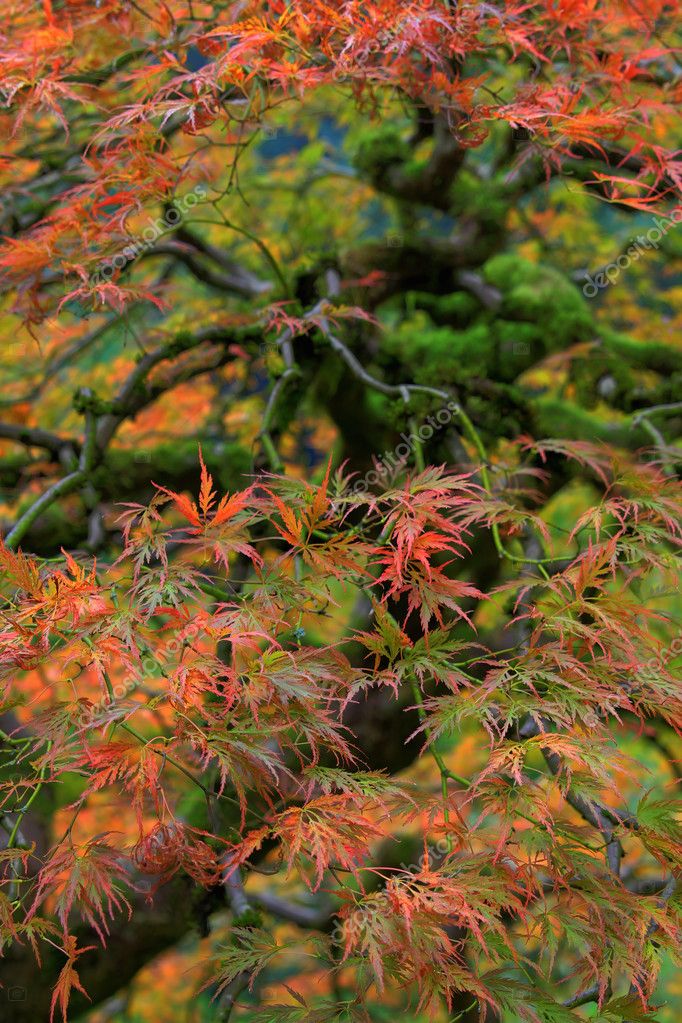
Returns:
(411,723)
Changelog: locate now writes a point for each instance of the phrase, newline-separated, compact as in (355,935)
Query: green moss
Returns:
(505,416)
(541,295)
(661,358)
(379,406)
(557,418)
(126,470)
(586,375)
(91,402)
(440,354)
(457,309)
(541,312)
(518,346)
(488,348)
(11,467)
(378,148)
(486,200)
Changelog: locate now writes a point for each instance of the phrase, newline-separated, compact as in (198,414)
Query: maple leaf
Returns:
(85,876)
(170,846)
(327,830)
(21,570)
(68,980)
(223,528)
(252,949)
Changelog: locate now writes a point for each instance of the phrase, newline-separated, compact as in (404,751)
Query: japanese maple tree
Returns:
(316,652)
